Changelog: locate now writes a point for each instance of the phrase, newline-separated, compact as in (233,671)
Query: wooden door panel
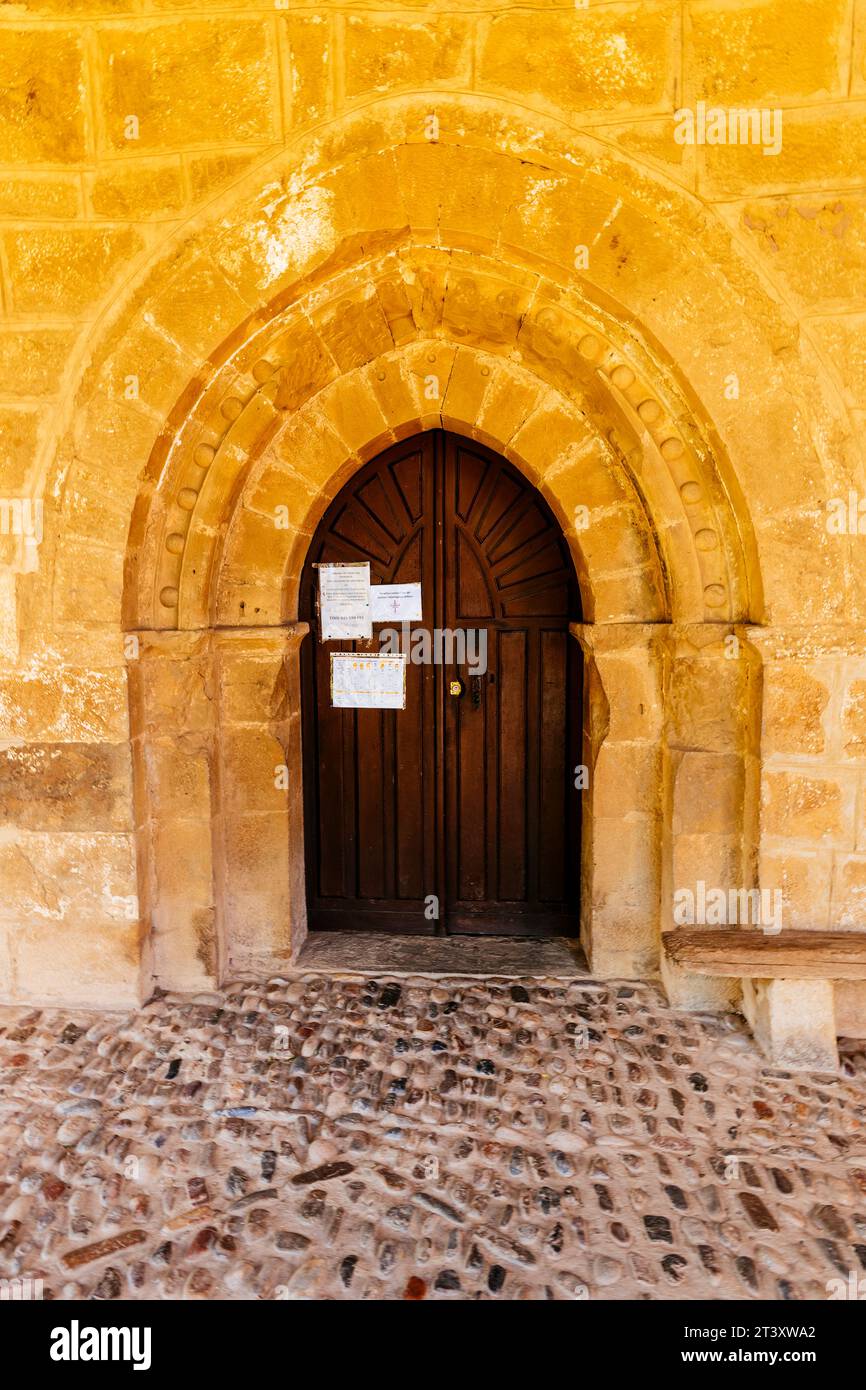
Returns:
(372,803)
(334,775)
(369,774)
(511,767)
(414,864)
(555,778)
(473,590)
(522,531)
(500,502)
(407,477)
(468,882)
(468,798)
(509,842)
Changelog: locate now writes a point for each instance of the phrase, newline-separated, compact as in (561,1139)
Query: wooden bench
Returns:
(791,955)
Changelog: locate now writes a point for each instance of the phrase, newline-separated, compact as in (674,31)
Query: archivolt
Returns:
(419,337)
(267,326)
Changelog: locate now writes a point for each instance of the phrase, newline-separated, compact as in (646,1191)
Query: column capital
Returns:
(612,637)
(178,644)
(266,640)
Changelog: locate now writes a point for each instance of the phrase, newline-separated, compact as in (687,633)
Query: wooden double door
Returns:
(458,813)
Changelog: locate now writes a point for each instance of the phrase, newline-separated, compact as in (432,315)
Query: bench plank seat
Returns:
(791,955)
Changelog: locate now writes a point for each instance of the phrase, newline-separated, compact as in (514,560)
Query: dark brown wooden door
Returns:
(459,813)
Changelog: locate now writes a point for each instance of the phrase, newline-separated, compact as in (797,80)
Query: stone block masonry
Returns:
(240,254)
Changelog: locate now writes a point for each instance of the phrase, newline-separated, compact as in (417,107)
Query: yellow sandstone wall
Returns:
(167,167)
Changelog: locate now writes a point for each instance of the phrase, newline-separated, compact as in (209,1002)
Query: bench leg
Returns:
(793,1022)
(709,994)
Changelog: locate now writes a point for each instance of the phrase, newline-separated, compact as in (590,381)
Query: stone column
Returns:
(712,769)
(624,680)
(219,815)
(259,822)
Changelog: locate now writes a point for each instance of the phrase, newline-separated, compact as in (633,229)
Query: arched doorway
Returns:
(459,813)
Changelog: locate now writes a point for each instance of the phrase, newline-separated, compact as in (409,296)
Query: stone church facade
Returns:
(243,253)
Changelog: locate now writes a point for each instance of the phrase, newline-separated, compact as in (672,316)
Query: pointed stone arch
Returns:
(288,333)
(602,430)
(368,196)
(247,464)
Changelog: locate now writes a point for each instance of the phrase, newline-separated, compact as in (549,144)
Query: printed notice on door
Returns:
(396,603)
(367,682)
(344,602)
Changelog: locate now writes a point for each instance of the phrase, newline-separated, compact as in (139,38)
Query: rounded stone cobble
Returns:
(406,1138)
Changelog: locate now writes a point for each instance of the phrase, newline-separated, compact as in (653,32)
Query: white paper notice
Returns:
(344,602)
(395,603)
(367,682)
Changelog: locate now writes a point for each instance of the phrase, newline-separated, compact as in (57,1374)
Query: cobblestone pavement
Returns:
(411,1138)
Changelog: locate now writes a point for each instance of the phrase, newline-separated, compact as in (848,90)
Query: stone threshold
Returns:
(367,953)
